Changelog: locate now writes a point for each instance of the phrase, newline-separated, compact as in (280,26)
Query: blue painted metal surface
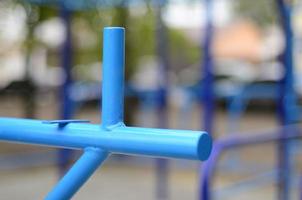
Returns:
(223,145)
(66,62)
(80,172)
(207,84)
(287,109)
(67,105)
(113,77)
(115,138)
(112,136)
(287,97)
(239,102)
(207,97)
(80,5)
(63,123)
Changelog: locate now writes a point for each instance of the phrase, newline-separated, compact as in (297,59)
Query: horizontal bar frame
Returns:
(184,144)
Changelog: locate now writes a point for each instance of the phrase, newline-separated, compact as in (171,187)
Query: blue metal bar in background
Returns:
(287,112)
(207,82)
(67,108)
(66,61)
(110,137)
(223,145)
(287,98)
(82,5)
(287,95)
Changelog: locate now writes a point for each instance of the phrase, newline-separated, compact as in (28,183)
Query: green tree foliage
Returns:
(140,35)
(183,51)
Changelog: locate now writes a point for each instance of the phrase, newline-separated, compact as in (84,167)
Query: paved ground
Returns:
(113,182)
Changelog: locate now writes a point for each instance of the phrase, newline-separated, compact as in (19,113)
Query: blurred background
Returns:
(230,67)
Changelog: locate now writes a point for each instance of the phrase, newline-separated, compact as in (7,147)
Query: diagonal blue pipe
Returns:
(80,172)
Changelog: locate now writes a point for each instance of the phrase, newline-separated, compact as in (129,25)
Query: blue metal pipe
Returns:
(78,174)
(194,145)
(67,105)
(225,144)
(66,62)
(287,98)
(112,136)
(207,84)
(86,5)
(113,77)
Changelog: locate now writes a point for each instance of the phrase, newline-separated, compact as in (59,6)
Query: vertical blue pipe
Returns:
(113,76)
(206,177)
(207,87)
(78,174)
(66,109)
(112,114)
(287,98)
(207,83)
(287,95)
(162,165)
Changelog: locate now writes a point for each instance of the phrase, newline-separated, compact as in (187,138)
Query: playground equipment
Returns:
(68,104)
(112,136)
(221,146)
(207,96)
(287,107)
(159,96)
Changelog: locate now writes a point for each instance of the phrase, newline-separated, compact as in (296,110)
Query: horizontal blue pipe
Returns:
(78,174)
(185,144)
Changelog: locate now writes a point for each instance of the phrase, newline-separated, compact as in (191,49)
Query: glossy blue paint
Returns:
(184,144)
(113,76)
(80,172)
(112,136)
(64,122)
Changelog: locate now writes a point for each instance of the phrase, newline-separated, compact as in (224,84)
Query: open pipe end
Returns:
(204,147)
